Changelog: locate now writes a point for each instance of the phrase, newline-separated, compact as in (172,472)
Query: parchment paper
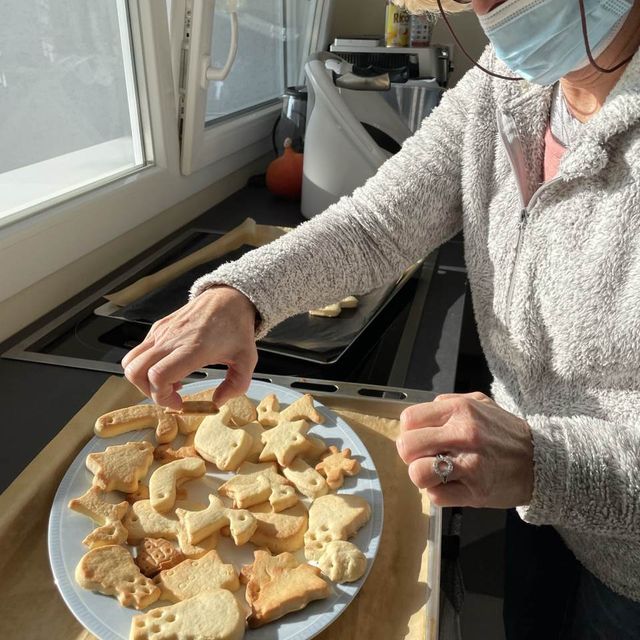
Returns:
(390,606)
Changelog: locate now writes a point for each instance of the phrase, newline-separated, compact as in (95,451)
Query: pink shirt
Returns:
(553,152)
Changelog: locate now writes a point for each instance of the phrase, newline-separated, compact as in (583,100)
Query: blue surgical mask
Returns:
(541,40)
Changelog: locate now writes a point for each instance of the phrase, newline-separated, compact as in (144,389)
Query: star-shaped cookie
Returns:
(284,442)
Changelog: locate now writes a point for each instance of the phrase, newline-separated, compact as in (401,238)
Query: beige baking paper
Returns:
(248,233)
(390,606)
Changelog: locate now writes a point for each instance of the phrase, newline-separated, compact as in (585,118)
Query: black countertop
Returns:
(39,399)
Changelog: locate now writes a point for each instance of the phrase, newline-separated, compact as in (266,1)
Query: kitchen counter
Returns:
(39,399)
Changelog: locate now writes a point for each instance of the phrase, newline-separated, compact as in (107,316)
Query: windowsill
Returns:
(43,184)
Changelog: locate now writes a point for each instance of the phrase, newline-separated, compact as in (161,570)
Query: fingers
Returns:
(137,370)
(475,395)
(428,414)
(423,475)
(165,376)
(238,377)
(452,494)
(419,443)
(145,345)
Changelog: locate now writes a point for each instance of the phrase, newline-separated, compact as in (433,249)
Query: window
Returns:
(69,115)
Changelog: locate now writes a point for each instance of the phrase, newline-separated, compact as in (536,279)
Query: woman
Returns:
(542,172)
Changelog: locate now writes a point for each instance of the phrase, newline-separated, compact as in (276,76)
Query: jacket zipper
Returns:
(515,153)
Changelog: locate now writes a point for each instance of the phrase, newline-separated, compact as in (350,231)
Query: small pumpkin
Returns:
(284,174)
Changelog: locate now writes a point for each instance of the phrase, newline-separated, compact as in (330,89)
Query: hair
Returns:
(420,6)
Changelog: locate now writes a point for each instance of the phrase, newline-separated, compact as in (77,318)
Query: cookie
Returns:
(193,577)
(165,479)
(196,550)
(93,505)
(157,554)
(141,494)
(280,531)
(330,311)
(334,517)
(284,442)
(242,410)
(140,416)
(277,585)
(316,448)
(143,521)
(256,483)
(269,411)
(120,467)
(221,444)
(302,409)
(201,524)
(112,571)
(342,561)
(350,302)
(192,619)
(194,408)
(109,533)
(335,464)
(305,479)
(165,453)
(255,430)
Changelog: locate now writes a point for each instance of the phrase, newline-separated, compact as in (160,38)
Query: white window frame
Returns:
(48,240)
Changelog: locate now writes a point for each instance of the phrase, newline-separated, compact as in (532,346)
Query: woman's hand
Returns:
(491,449)
(216,327)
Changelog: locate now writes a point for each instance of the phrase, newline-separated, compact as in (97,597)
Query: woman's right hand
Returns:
(216,327)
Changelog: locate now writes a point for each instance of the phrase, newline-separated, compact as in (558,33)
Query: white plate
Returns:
(105,618)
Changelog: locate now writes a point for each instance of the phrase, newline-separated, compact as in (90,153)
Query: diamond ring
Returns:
(443,466)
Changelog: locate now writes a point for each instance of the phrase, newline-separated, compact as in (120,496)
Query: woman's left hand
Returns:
(491,449)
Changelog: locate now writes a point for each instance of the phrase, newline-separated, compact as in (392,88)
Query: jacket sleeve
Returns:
(586,475)
(411,206)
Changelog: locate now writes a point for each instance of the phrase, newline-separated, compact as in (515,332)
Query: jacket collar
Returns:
(529,105)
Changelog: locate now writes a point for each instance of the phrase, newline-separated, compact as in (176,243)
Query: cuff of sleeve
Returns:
(221,277)
(550,473)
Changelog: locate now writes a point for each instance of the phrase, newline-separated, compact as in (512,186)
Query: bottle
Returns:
(397,26)
(421,29)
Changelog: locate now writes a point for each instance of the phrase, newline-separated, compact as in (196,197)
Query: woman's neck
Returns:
(586,90)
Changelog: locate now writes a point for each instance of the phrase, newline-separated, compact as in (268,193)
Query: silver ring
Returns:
(443,466)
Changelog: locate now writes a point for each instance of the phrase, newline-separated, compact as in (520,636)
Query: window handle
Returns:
(220,73)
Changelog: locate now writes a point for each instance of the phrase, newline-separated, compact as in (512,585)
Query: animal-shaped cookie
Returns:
(280,531)
(120,467)
(107,534)
(306,479)
(316,448)
(334,517)
(93,505)
(140,416)
(220,443)
(143,521)
(157,554)
(269,411)
(112,571)
(277,585)
(165,480)
(255,430)
(335,464)
(284,442)
(193,619)
(342,561)
(201,524)
(256,483)
(141,494)
(166,453)
(192,577)
(242,410)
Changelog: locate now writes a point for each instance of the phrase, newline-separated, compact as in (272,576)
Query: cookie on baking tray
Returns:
(192,619)
(277,585)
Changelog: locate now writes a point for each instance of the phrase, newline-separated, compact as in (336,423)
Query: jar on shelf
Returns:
(398,20)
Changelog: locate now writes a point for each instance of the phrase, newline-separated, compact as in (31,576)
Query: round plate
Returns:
(104,617)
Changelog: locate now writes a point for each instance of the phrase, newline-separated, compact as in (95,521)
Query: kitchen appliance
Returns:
(292,121)
(351,131)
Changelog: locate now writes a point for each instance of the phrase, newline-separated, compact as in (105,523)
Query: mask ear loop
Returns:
(585,37)
(475,63)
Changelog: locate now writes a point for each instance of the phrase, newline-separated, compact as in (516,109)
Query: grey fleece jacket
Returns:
(555,277)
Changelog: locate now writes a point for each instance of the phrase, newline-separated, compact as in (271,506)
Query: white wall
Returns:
(366,17)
